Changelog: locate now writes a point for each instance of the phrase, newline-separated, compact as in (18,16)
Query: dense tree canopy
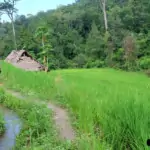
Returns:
(78,35)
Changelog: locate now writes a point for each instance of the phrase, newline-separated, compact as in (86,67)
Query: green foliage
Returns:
(144,63)
(77,30)
(95,64)
(80,61)
(95,43)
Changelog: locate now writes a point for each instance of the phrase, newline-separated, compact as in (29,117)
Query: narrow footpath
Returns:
(60,116)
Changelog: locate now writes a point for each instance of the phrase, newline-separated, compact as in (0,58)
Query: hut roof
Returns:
(24,60)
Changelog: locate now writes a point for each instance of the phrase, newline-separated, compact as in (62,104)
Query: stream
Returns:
(12,129)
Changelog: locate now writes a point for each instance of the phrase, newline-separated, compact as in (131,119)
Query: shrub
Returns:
(80,60)
(144,62)
(95,64)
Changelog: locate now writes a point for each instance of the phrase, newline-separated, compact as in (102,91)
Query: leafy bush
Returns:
(144,62)
(80,60)
(95,64)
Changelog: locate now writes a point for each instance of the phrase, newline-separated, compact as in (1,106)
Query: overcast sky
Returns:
(33,6)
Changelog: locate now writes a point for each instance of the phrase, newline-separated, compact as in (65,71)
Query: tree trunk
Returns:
(105,14)
(43,44)
(46,68)
(14,34)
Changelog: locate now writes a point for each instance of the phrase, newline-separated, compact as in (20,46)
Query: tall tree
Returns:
(8,7)
(103,7)
(130,51)
(95,43)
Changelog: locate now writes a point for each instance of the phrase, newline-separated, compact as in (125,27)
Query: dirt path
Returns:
(60,116)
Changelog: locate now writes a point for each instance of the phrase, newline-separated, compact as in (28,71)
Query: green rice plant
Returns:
(109,108)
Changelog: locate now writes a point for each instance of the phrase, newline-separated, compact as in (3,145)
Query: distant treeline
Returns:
(76,35)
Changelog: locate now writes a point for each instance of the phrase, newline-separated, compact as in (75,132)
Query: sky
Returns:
(33,6)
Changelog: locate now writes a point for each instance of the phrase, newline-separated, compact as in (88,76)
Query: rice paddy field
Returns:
(109,109)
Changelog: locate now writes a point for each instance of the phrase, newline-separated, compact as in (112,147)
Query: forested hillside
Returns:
(88,33)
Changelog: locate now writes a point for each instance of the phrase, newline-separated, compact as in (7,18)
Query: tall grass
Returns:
(109,106)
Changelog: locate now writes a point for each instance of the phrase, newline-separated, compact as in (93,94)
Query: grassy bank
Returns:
(38,132)
(109,106)
(2,124)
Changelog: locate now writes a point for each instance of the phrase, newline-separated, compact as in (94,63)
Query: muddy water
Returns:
(13,126)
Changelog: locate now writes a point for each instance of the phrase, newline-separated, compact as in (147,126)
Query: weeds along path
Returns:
(60,116)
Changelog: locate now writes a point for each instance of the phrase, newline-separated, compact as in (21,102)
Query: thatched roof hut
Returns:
(22,59)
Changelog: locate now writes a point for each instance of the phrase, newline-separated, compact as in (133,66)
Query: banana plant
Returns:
(42,34)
